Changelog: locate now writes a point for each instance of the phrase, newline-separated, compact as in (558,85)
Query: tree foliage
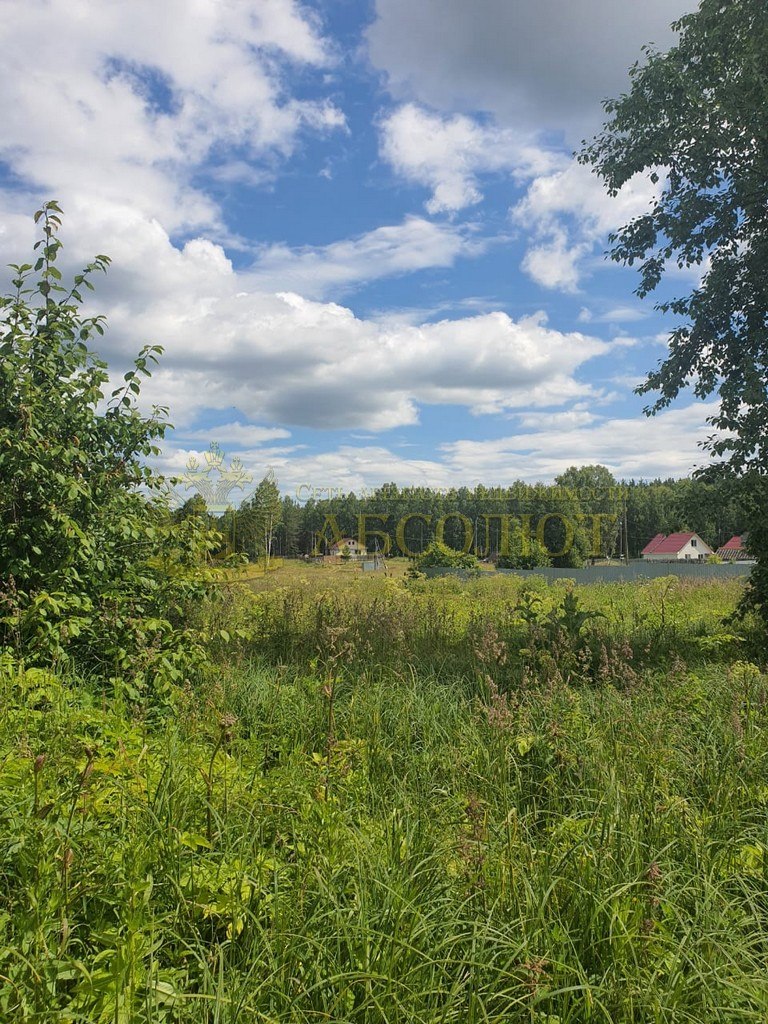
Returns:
(524,553)
(93,571)
(715,510)
(261,515)
(196,505)
(695,124)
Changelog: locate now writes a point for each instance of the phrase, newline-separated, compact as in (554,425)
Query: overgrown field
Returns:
(399,801)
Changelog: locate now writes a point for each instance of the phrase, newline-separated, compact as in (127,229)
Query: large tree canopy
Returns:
(695,122)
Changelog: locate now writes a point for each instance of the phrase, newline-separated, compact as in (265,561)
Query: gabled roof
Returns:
(651,545)
(662,545)
(736,543)
(735,550)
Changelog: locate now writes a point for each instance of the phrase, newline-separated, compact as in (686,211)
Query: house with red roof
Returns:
(677,547)
(736,550)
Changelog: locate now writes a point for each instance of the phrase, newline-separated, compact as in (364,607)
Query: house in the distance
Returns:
(347,546)
(736,550)
(677,547)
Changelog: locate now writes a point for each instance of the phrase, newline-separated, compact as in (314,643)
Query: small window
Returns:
(693,542)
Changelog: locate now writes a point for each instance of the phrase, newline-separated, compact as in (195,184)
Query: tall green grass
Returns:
(436,626)
(325,840)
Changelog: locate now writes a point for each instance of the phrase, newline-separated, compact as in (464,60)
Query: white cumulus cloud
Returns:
(282,358)
(448,155)
(631,447)
(567,213)
(316,271)
(124,102)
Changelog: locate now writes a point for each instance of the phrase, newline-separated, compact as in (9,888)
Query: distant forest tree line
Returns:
(404,520)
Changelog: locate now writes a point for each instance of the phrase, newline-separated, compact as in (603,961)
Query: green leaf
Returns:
(525,743)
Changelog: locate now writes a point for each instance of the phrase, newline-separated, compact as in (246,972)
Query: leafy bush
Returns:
(438,554)
(95,573)
(532,555)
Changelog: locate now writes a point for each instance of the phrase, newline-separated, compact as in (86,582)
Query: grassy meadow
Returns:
(399,801)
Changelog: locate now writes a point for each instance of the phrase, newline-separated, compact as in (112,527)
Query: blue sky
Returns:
(356,227)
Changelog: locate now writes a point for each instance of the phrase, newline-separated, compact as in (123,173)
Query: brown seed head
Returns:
(653,874)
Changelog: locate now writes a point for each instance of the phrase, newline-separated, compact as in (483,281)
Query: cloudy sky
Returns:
(354,225)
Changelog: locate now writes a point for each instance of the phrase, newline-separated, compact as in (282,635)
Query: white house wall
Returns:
(679,556)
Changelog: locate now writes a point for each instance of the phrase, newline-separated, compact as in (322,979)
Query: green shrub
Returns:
(95,573)
(531,556)
(438,554)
